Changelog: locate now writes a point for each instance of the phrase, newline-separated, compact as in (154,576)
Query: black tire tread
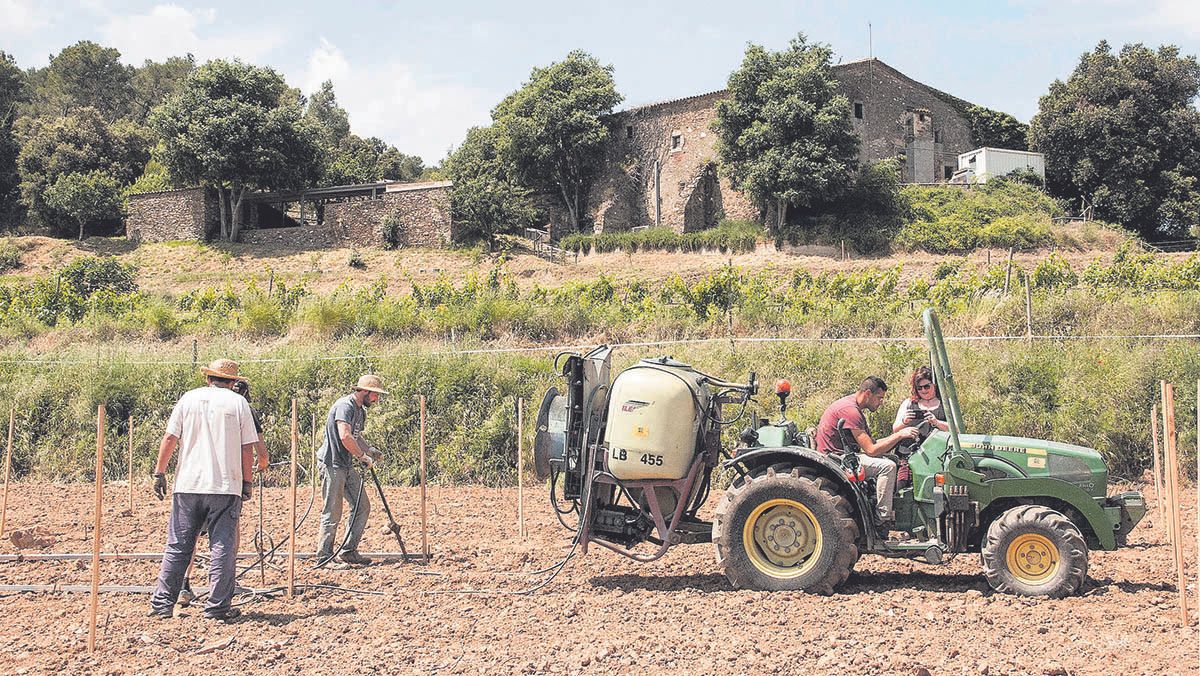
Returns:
(1036,517)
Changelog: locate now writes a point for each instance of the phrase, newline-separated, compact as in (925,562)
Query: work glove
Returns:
(246,490)
(368,460)
(160,486)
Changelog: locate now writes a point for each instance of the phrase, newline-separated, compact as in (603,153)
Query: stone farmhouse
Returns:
(348,215)
(661,158)
(660,170)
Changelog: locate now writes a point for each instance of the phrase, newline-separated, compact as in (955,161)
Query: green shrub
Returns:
(998,214)
(728,237)
(391,230)
(355,260)
(10,256)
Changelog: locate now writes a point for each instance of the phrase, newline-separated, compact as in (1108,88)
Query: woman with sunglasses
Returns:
(923,406)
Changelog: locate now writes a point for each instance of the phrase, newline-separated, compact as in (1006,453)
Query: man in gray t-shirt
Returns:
(339,479)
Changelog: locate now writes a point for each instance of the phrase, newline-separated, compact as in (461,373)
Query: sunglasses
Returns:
(925,386)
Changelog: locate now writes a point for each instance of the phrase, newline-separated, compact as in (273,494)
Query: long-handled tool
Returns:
(392,527)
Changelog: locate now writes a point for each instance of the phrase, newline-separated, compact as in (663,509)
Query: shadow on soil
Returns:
(281,619)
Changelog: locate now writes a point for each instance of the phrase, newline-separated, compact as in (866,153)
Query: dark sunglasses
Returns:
(925,386)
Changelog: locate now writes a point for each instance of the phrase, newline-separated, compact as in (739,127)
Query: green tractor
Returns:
(631,461)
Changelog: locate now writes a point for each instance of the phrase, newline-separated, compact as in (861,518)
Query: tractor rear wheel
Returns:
(785,530)
(1034,551)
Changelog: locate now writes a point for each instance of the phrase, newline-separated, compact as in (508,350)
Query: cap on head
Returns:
(225,369)
(371,383)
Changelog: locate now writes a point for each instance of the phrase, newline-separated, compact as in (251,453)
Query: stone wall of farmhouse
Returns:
(660,164)
(187,213)
(424,216)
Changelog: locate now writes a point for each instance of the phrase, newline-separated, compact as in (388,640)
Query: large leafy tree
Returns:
(552,130)
(486,198)
(1123,134)
(236,127)
(79,143)
(153,82)
(85,75)
(784,132)
(86,197)
(994,129)
(348,158)
(12,93)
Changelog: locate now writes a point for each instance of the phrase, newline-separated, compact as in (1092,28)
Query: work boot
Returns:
(353,558)
(186,595)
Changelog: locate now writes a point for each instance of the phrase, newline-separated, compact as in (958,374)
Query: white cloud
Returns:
(397,102)
(1180,15)
(18,17)
(171,30)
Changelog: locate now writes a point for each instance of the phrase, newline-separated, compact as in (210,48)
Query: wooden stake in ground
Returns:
(1008,272)
(520,468)
(131,464)
(1172,481)
(12,419)
(96,529)
(291,576)
(424,514)
(1028,310)
(1158,487)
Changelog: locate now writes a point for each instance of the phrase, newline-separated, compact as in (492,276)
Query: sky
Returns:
(419,74)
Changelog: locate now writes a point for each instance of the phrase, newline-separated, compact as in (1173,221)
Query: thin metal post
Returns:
(1028,310)
(520,467)
(131,464)
(1157,467)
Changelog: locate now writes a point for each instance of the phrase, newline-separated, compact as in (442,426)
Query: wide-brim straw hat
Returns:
(222,368)
(371,383)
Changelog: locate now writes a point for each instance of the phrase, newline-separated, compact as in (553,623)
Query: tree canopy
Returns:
(79,143)
(236,127)
(12,93)
(552,130)
(85,75)
(1123,134)
(994,129)
(347,158)
(784,132)
(486,198)
(86,197)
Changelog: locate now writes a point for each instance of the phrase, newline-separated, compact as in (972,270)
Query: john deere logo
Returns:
(633,405)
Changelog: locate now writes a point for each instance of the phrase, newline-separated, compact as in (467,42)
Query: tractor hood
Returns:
(1037,458)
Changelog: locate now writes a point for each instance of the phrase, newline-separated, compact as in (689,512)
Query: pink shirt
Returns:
(846,409)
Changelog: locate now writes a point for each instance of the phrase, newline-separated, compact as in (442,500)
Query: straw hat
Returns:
(222,368)
(371,383)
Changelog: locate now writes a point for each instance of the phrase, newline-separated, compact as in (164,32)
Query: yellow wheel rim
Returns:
(1032,557)
(782,538)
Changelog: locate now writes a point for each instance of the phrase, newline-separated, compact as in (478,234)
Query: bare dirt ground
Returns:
(177,267)
(603,614)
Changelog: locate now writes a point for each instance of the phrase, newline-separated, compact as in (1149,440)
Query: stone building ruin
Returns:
(349,215)
(661,158)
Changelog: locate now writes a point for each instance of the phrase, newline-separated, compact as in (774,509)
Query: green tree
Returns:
(12,94)
(784,132)
(486,198)
(994,129)
(552,130)
(79,143)
(397,166)
(1123,134)
(154,82)
(236,127)
(86,198)
(154,178)
(331,121)
(85,75)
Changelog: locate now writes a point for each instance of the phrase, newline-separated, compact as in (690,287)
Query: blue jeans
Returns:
(338,484)
(190,514)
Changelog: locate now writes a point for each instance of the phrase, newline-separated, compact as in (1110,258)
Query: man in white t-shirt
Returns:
(213,429)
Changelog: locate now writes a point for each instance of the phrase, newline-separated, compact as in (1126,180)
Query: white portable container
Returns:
(987,163)
(654,414)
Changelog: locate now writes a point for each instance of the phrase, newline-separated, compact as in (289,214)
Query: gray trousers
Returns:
(338,484)
(190,514)
(884,471)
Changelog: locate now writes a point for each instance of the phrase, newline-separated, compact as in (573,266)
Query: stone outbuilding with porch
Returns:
(351,215)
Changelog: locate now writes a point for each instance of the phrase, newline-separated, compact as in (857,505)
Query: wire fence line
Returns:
(648,343)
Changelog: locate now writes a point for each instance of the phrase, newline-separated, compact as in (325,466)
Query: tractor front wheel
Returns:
(1034,551)
(785,530)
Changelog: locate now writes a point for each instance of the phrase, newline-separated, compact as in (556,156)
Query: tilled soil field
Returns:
(464,612)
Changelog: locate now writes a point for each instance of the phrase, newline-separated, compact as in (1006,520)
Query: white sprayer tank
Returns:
(654,414)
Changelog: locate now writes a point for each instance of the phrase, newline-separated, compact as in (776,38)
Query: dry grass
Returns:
(177,267)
